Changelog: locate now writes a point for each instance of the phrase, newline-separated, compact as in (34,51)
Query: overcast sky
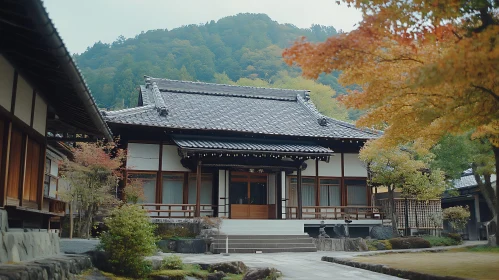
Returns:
(82,23)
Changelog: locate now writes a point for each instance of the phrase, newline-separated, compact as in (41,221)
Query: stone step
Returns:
(264,241)
(265,245)
(273,237)
(266,250)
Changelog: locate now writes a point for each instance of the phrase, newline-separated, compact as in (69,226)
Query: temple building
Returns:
(242,152)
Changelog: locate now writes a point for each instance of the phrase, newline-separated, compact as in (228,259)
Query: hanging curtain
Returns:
(357,195)
(308,191)
(173,188)
(206,189)
(330,192)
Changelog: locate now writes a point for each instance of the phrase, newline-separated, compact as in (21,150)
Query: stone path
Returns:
(305,266)
(294,265)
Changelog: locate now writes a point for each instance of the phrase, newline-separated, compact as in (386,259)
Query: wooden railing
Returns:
(335,212)
(159,210)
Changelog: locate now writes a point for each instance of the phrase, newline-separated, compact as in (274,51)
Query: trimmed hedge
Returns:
(442,241)
(409,243)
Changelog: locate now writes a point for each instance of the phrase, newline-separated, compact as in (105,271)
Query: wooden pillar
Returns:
(198,190)
(299,213)
(343,187)
(4,164)
(477,215)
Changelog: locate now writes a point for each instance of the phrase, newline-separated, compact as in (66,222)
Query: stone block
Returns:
(381,232)
(4,224)
(190,246)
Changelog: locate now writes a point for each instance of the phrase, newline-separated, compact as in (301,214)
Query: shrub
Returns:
(129,239)
(456,236)
(441,241)
(375,245)
(172,262)
(457,216)
(409,243)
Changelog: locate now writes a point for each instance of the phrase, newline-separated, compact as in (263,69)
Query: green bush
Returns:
(172,262)
(375,245)
(409,243)
(176,233)
(456,236)
(130,237)
(441,241)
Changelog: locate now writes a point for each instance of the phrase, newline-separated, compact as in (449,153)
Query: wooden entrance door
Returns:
(248,196)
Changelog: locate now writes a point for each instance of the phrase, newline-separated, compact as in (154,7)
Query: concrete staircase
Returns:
(266,236)
(264,243)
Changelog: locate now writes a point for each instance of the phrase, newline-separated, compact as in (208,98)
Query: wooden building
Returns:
(42,95)
(242,153)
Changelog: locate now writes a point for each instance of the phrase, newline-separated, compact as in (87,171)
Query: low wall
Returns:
(24,246)
(340,244)
(61,267)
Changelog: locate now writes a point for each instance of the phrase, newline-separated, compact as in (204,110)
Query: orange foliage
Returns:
(425,68)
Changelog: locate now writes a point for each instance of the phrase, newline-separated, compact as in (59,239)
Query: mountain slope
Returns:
(241,46)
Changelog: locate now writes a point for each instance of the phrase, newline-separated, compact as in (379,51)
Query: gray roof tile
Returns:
(245,145)
(203,106)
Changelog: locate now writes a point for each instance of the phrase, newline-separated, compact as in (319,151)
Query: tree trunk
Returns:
(496,156)
(487,191)
(71,221)
(393,216)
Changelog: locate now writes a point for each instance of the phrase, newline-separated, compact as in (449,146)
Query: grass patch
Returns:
(467,264)
(441,241)
(478,249)
(194,271)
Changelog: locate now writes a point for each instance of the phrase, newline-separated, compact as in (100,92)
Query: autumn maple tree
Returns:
(424,68)
(91,175)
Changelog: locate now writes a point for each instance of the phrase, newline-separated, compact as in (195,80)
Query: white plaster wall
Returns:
(331,168)
(40,116)
(310,171)
(271,194)
(171,159)
(221,194)
(142,156)
(354,167)
(24,98)
(6,82)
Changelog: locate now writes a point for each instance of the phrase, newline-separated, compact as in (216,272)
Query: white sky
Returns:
(81,23)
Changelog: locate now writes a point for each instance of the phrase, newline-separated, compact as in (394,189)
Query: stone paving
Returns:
(306,266)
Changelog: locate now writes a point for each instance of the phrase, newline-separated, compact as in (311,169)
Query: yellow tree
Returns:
(425,68)
(404,169)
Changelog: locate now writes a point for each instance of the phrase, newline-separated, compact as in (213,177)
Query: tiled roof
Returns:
(203,106)
(469,181)
(245,145)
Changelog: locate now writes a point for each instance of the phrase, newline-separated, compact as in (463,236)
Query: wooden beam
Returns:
(22,174)
(33,101)
(299,214)
(198,190)
(41,175)
(14,92)
(317,188)
(343,187)
(5,163)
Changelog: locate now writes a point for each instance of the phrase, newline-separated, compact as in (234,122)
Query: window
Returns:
(206,189)
(307,191)
(51,181)
(330,192)
(149,186)
(14,172)
(173,186)
(357,192)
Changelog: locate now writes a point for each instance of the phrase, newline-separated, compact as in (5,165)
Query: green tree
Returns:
(405,169)
(454,154)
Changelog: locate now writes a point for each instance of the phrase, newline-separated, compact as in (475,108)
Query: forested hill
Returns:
(234,49)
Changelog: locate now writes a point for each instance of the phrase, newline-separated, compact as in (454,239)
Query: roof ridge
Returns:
(126,111)
(353,126)
(230,95)
(227,85)
(310,107)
